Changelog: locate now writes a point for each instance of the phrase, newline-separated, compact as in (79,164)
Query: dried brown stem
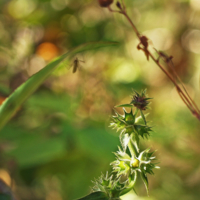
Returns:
(189,102)
(123,4)
(170,64)
(180,92)
(183,99)
(183,86)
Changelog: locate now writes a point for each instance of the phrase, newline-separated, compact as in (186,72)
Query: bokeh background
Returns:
(59,140)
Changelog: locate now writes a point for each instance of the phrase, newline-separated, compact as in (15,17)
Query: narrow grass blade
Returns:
(13,102)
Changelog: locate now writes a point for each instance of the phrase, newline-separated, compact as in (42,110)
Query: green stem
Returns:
(143,117)
(132,148)
(132,179)
(136,111)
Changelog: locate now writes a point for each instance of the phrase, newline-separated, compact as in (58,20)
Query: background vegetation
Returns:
(59,140)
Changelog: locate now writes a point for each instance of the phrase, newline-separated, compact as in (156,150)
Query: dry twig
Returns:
(175,79)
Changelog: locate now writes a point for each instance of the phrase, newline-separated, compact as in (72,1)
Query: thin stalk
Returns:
(183,86)
(180,94)
(132,24)
(192,106)
(187,102)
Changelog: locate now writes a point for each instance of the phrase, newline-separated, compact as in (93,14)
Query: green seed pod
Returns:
(129,118)
(122,165)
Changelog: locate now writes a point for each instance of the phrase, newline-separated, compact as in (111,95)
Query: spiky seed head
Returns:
(140,101)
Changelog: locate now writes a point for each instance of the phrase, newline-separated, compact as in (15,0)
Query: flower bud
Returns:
(119,5)
(105,3)
(122,164)
(140,101)
(135,163)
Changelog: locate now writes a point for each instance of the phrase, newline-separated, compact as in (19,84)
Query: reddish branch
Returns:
(143,45)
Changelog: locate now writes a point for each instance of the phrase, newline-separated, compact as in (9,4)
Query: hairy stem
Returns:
(132,179)
(132,148)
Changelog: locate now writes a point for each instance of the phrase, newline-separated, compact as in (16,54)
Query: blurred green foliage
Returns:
(59,140)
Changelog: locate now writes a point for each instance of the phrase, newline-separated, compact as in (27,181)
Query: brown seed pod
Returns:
(105,3)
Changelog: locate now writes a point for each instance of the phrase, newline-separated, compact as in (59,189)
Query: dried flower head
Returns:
(140,101)
(105,3)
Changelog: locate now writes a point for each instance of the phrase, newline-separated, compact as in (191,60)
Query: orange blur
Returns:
(47,51)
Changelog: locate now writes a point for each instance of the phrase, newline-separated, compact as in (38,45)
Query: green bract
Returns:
(128,123)
(126,165)
(110,185)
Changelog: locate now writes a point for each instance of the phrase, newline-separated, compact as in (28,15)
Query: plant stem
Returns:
(132,148)
(132,179)
(192,106)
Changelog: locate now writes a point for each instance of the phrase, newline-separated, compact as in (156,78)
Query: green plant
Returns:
(130,159)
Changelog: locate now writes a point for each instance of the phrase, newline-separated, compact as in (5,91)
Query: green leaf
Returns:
(142,130)
(125,105)
(143,117)
(145,180)
(144,92)
(13,102)
(147,98)
(96,196)
(134,91)
(139,120)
